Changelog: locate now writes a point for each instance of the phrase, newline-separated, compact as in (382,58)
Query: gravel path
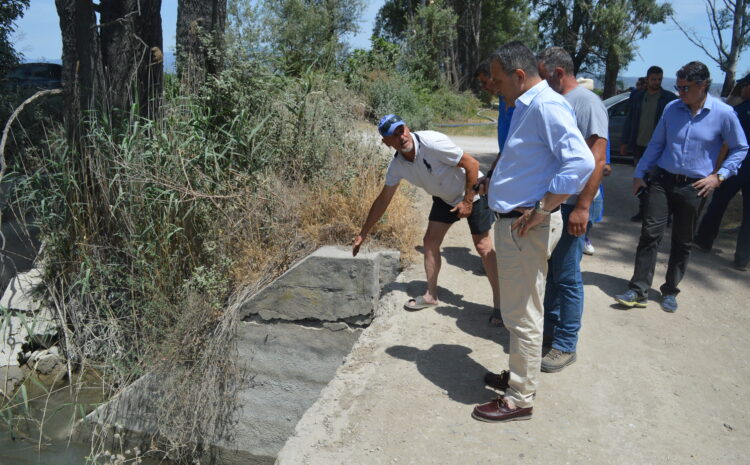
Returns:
(648,387)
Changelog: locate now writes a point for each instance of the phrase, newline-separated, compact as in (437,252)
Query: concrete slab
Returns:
(327,285)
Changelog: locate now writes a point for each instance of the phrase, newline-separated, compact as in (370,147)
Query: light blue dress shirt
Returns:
(544,152)
(689,145)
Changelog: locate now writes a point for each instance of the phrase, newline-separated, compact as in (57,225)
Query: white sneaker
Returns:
(588,247)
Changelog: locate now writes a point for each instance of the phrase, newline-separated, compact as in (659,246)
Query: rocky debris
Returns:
(45,361)
(28,332)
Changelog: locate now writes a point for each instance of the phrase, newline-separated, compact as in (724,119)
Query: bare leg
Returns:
(433,238)
(483,244)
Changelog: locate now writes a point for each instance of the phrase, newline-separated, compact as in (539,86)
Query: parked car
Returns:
(617,109)
(34,76)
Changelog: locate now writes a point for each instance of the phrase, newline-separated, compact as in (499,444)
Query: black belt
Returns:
(675,178)
(515,214)
(510,214)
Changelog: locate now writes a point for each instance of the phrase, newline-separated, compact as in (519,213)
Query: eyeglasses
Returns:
(387,125)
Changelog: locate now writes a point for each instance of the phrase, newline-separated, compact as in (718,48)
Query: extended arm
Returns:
(376,212)
(471,168)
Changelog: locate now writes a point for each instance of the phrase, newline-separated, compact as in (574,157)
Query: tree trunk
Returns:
(82,73)
(730,67)
(132,46)
(200,33)
(611,70)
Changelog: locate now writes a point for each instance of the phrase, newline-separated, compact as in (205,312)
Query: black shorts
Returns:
(480,220)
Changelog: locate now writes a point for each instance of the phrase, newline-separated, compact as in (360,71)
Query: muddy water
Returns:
(42,426)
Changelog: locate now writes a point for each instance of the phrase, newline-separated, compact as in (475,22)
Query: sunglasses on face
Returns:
(685,89)
(387,125)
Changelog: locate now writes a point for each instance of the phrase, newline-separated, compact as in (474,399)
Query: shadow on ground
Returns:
(449,367)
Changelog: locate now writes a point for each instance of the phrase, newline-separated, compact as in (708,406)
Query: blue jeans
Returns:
(563,297)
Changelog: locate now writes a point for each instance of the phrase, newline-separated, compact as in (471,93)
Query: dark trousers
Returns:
(711,222)
(643,199)
(667,193)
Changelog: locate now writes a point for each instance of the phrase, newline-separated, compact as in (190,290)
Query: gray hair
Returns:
(556,57)
(515,55)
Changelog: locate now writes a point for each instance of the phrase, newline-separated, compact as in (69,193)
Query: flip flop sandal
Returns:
(419,304)
(496,315)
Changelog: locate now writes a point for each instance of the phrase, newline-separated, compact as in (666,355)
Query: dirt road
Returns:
(649,387)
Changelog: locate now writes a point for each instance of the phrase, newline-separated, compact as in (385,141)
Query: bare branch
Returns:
(693,38)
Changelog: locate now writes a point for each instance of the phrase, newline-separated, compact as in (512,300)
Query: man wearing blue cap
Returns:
(430,160)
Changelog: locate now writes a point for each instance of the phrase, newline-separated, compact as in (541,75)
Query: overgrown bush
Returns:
(151,232)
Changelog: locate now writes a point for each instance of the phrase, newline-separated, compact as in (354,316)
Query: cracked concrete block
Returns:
(328,285)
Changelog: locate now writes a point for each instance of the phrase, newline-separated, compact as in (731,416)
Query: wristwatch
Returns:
(721,177)
(538,208)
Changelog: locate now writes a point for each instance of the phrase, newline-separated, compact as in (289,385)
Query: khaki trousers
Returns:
(522,268)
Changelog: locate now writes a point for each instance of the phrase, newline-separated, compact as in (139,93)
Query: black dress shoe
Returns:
(637,217)
(497,411)
(497,381)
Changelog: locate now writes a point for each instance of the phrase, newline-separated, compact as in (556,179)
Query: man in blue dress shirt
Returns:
(545,159)
(683,153)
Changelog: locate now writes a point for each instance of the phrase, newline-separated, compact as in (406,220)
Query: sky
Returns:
(38,37)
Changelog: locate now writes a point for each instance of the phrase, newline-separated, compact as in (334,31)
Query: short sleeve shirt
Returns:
(591,118)
(435,167)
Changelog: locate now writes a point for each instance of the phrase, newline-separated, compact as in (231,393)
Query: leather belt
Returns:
(510,214)
(675,178)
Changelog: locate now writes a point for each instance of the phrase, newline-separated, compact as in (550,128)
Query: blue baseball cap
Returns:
(388,124)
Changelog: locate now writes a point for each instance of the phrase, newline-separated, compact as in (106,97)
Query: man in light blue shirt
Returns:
(683,154)
(545,159)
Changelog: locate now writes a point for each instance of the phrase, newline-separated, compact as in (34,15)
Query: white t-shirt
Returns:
(434,168)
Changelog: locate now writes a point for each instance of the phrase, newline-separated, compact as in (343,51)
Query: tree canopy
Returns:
(10,11)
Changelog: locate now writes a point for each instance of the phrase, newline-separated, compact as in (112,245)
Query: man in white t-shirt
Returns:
(430,160)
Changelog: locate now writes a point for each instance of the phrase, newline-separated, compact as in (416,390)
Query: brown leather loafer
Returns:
(497,381)
(496,411)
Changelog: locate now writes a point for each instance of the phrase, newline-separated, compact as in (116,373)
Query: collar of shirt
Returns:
(527,97)
(708,105)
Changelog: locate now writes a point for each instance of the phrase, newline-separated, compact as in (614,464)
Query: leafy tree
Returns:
(429,51)
(393,18)
(481,26)
(301,34)
(734,18)
(597,33)
(621,24)
(10,11)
